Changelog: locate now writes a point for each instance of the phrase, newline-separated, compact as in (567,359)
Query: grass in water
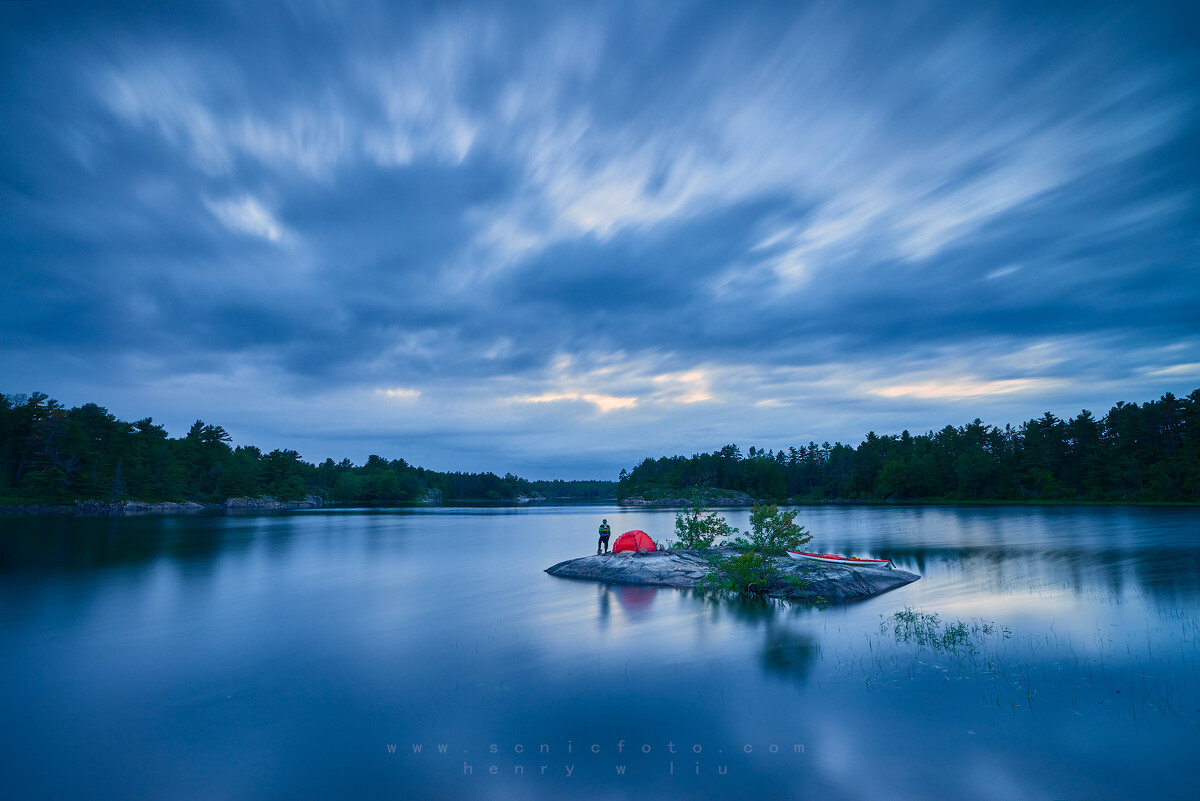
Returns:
(1134,679)
(926,629)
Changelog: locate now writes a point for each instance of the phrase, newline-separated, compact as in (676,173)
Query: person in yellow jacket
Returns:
(603,541)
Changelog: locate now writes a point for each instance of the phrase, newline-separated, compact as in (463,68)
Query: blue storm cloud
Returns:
(555,238)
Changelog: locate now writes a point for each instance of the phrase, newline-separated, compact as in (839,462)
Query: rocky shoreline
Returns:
(724,498)
(687,569)
(93,507)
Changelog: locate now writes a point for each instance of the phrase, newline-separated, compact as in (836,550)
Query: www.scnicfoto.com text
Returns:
(621,757)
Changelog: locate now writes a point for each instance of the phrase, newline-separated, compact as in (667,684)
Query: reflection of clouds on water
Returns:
(442,627)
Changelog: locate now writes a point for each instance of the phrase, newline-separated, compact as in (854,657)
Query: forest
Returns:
(49,453)
(1133,454)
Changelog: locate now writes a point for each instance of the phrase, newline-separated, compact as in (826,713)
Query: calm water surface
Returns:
(310,655)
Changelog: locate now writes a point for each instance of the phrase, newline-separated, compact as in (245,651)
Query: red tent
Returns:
(633,541)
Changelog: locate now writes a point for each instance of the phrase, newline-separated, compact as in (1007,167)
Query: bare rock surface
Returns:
(831,583)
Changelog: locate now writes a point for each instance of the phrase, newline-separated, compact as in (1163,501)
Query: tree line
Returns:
(1146,453)
(49,453)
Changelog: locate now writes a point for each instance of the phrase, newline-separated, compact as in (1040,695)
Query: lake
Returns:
(425,654)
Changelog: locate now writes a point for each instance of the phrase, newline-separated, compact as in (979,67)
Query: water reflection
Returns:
(230,643)
(788,647)
(791,654)
(56,543)
(1165,573)
(604,593)
(635,601)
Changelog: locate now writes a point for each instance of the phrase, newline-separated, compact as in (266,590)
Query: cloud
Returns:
(1002,271)
(403,393)
(1188,370)
(603,403)
(692,386)
(965,387)
(246,215)
(161,94)
(631,230)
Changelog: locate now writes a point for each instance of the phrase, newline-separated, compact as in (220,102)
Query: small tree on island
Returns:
(747,573)
(772,531)
(698,527)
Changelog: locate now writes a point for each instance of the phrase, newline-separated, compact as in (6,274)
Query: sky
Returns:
(556,238)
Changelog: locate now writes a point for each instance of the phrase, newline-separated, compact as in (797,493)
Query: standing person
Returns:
(604,532)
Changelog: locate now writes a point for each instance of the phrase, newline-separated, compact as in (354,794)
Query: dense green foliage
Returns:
(698,528)
(773,531)
(50,453)
(752,573)
(747,572)
(1132,454)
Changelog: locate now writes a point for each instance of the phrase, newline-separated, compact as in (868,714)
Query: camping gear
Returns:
(836,559)
(635,541)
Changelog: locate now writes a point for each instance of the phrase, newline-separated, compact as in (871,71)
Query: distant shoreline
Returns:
(137,508)
(726,501)
(235,505)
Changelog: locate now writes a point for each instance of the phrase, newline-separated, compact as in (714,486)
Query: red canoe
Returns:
(836,559)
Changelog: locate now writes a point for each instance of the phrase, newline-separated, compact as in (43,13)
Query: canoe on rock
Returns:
(837,559)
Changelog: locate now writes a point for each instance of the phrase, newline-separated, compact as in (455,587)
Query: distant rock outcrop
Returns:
(93,507)
(309,502)
(715,498)
(831,583)
(122,508)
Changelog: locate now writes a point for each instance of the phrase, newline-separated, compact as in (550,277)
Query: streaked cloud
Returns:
(1189,370)
(1002,271)
(603,403)
(403,393)
(562,237)
(966,387)
(246,215)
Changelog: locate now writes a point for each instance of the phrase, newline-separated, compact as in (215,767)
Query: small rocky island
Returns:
(683,569)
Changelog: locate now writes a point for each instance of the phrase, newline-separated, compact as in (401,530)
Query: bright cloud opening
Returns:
(964,388)
(245,215)
(403,393)
(604,403)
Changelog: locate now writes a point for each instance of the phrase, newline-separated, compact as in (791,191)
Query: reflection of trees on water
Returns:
(1163,573)
(787,650)
(54,543)
(790,654)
